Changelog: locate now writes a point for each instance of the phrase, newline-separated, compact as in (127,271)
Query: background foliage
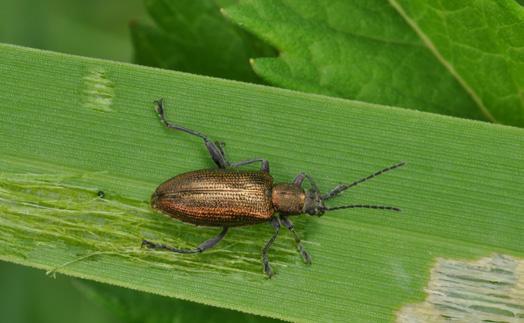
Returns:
(464,58)
(193,36)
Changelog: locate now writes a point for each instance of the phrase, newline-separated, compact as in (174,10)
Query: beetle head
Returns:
(314,204)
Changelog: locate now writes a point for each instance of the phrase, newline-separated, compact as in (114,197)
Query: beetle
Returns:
(229,197)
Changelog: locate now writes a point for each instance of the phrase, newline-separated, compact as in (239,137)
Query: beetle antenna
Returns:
(364,206)
(342,187)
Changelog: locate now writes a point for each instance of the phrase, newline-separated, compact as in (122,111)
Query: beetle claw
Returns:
(305,256)
(268,270)
(147,244)
(159,106)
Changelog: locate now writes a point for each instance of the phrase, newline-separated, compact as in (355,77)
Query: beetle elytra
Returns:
(228,197)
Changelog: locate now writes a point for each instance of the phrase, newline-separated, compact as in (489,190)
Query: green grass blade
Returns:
(72,126)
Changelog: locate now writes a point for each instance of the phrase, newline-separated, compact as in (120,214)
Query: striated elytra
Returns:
(228,197)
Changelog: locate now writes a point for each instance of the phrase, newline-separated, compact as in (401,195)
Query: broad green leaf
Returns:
(74,126)
(365,50)
(192,36)
(481,43)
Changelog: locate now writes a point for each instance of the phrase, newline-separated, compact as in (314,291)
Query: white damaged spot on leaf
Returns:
(488,290)
(98,90)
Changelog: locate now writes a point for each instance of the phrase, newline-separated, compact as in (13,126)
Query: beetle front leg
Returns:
(299,179)
(208,244)
(275,222)
(289,225)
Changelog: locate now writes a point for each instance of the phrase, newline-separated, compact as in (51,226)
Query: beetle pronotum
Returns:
(228,197)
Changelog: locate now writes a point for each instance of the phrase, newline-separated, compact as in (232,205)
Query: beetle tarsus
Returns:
(160,246)
(208,244)
(275,222)
(305,256)
(159,107)
(289,225)
(267,268)
(147,244)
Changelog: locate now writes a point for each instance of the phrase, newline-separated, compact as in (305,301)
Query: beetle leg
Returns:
(264,164)
(221,145)
(201,248)
(299,179)
(289,225)
(215,148)
(216,153)
(275,222)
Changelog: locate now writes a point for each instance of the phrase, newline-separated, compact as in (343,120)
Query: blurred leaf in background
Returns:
(136,307)
(28,295)
(94,28)
(457,57)
(193,36)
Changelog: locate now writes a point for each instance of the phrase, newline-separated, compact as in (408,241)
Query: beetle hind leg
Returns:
(275,222)
(216,149)
(208,244)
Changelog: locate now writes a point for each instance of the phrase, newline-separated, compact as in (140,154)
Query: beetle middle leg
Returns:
(264,164)
(289,225)
(208,244)
(275,222)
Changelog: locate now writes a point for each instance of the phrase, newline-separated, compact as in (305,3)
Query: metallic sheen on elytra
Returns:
(221,197)
(228,197)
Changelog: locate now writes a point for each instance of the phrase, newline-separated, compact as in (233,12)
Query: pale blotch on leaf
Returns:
(488,290)
(98,90)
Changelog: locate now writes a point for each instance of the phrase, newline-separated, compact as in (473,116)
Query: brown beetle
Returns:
(228,197)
